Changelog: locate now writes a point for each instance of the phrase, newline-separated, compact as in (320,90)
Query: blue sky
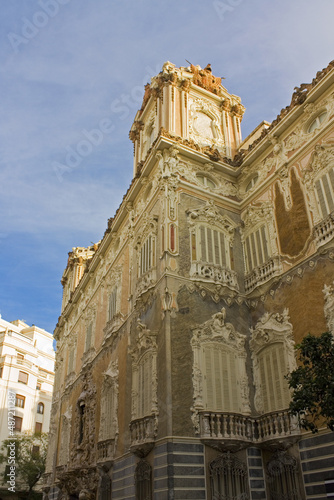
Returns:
(69,67)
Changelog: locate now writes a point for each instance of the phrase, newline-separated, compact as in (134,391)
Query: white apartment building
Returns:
(26,369)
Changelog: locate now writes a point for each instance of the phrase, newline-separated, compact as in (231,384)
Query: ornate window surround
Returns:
(272,330)
(145,345)
(109,401)
(220,335)
(209,217)
(254,218)
(148,230)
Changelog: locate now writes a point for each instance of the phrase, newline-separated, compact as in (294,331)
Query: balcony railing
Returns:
(214,272)
(105,450)
(262,274)
(324,231)
(234,428)
(143,433)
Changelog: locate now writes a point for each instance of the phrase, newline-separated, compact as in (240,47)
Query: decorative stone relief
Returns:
(209,214)
(271,328)
(205,123)
(216,331)
(84,449)
(300,134)
(168,161)
(329,306)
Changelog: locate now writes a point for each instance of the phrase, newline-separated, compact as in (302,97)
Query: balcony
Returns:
(146,281)
(88,356)
(262,274)
(234,431)
(113,325)
(106,450)
(324,231)
(143,433)
(214,272)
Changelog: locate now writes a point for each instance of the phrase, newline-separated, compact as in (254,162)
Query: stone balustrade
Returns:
(235,427)
(105,450)
(324,231)
(262,274)
(214,272)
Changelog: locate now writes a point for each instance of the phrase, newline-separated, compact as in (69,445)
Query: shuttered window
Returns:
(112,303)
(145,386)
(256,248)
(274,387)
(23,377)
(211,247)
(147,255)
(325,193)
(221,390)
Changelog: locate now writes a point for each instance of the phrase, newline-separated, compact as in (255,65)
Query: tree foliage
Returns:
(30,458)
(313,383)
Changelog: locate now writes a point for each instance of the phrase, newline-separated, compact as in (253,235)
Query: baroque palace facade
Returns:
(178,328)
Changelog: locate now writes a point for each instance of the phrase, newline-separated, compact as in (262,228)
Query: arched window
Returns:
(40,408)
(316,123)
(143,480)
(282,477)
(228,476)
(206,181)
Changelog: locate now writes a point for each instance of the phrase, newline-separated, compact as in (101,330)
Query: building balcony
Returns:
(262,274)
(105,451)
(70,379)
(88,356)
(143,433)
(215,273)
(324,231)
(234,431)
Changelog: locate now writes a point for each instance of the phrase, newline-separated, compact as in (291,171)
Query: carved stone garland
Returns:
(217,332)
(271,328)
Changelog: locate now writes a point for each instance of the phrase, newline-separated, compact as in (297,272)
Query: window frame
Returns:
(40,405)
(21,398)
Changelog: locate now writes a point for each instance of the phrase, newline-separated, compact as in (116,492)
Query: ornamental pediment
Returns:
(272,327)
(322,158)
(209,214)
(217,330)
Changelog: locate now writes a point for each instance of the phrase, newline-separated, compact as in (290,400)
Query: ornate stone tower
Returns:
(191,106)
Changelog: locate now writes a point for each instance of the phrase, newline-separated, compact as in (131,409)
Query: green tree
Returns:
(313,383)
(30,457)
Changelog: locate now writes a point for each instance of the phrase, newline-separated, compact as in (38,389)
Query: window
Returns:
(19,401)
(23,377)
(38,428)
(147,255)
(89,334)
(145,386)
(228,476)
(272,370)
(206,181)
(40,408)
(18,424)
(19,358)
(256,248)
(221,392)
(324,188)
(143,480)
(1,370)
(109,403)
(283,477)
(112,304)
(317,122)
(210,245)
(38,386)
